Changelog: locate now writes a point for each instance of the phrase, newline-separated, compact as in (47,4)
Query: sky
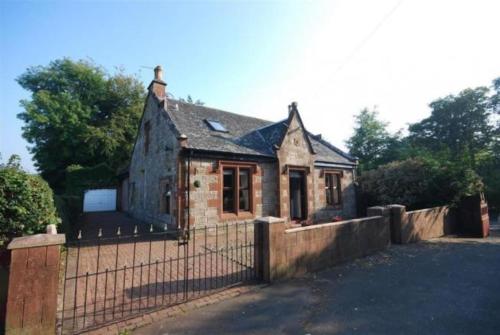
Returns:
(333,57)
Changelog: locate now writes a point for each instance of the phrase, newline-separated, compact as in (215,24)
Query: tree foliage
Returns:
(371,143)
(459,125)
(26,203)
(444,157)
(418,183)
(190,100)
(79,114)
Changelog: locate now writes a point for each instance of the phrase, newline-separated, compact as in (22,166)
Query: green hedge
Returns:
(79,178)
(26,204)
(69,208)
(417,183)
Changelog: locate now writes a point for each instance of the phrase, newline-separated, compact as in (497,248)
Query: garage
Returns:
(102,200)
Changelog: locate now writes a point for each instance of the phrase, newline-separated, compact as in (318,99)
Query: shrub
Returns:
(26,202)
(69,207)
(79,178)
(418,183)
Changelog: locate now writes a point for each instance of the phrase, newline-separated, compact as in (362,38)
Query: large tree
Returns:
(79,114)
(371,143)
(460,127)
(495,99)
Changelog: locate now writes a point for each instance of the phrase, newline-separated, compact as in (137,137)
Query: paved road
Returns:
(444,286)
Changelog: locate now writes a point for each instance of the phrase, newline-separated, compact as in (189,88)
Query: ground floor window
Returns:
(332,189)
(236,189)
(166,196)
(229,190)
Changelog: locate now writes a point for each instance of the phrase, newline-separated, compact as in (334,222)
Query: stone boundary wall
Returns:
(315,247)
(423,224)
(293,252)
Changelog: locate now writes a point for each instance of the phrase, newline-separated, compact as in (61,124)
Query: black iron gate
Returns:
(108,279)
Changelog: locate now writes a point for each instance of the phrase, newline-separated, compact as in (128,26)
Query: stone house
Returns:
(194,165)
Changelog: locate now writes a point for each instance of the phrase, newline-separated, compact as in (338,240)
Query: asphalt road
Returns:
(444,286)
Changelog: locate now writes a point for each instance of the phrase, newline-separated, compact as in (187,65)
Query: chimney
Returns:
(158,86)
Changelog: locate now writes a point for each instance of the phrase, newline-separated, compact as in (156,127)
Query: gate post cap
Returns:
(38,240)
(396,206)
(51,229)
(271,219)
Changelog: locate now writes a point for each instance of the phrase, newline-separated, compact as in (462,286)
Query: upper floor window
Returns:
(236,189)
(147,131)
(332,189)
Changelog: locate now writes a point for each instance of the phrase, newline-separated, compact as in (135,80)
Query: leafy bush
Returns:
(26,203)
(79,178)
(69,207)
(418,183)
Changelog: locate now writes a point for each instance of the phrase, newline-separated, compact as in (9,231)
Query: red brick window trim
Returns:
(237,192)
(333,188)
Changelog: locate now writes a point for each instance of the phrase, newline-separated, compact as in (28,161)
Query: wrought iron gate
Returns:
(108,279)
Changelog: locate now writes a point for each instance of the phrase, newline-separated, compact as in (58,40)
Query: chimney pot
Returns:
(158,73)
(158,86)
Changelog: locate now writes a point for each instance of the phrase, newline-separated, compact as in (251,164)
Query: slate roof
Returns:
(246,135)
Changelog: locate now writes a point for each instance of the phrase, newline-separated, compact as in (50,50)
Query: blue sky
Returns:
(333,57)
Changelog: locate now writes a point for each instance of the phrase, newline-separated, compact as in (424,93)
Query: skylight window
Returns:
(216,125)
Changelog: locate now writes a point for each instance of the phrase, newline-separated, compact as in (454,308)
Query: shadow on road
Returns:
(443,286)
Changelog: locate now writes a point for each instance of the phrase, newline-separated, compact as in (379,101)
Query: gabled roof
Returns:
(245,135)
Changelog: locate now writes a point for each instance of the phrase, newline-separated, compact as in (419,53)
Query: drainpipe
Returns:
(188,191)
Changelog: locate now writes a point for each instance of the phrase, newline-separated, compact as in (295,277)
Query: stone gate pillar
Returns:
(33,283)
(270,258)
(398,224)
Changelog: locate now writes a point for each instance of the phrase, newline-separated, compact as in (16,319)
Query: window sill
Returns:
(239,216)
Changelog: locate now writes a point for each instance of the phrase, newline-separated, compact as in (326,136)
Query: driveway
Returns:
(119,277)
(90,223)
(443,286)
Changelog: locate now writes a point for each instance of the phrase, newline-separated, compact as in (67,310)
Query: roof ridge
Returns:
(331,146)
(220,110)
(269,125)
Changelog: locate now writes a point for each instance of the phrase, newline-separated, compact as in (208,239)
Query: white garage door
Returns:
(99,200)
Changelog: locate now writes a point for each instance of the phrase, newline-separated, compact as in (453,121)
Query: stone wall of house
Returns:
(347,209)
(151,172)
(295,151)
(205,201)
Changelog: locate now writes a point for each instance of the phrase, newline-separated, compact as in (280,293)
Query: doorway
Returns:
(298,209)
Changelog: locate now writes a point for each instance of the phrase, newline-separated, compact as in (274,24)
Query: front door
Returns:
(298,210)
